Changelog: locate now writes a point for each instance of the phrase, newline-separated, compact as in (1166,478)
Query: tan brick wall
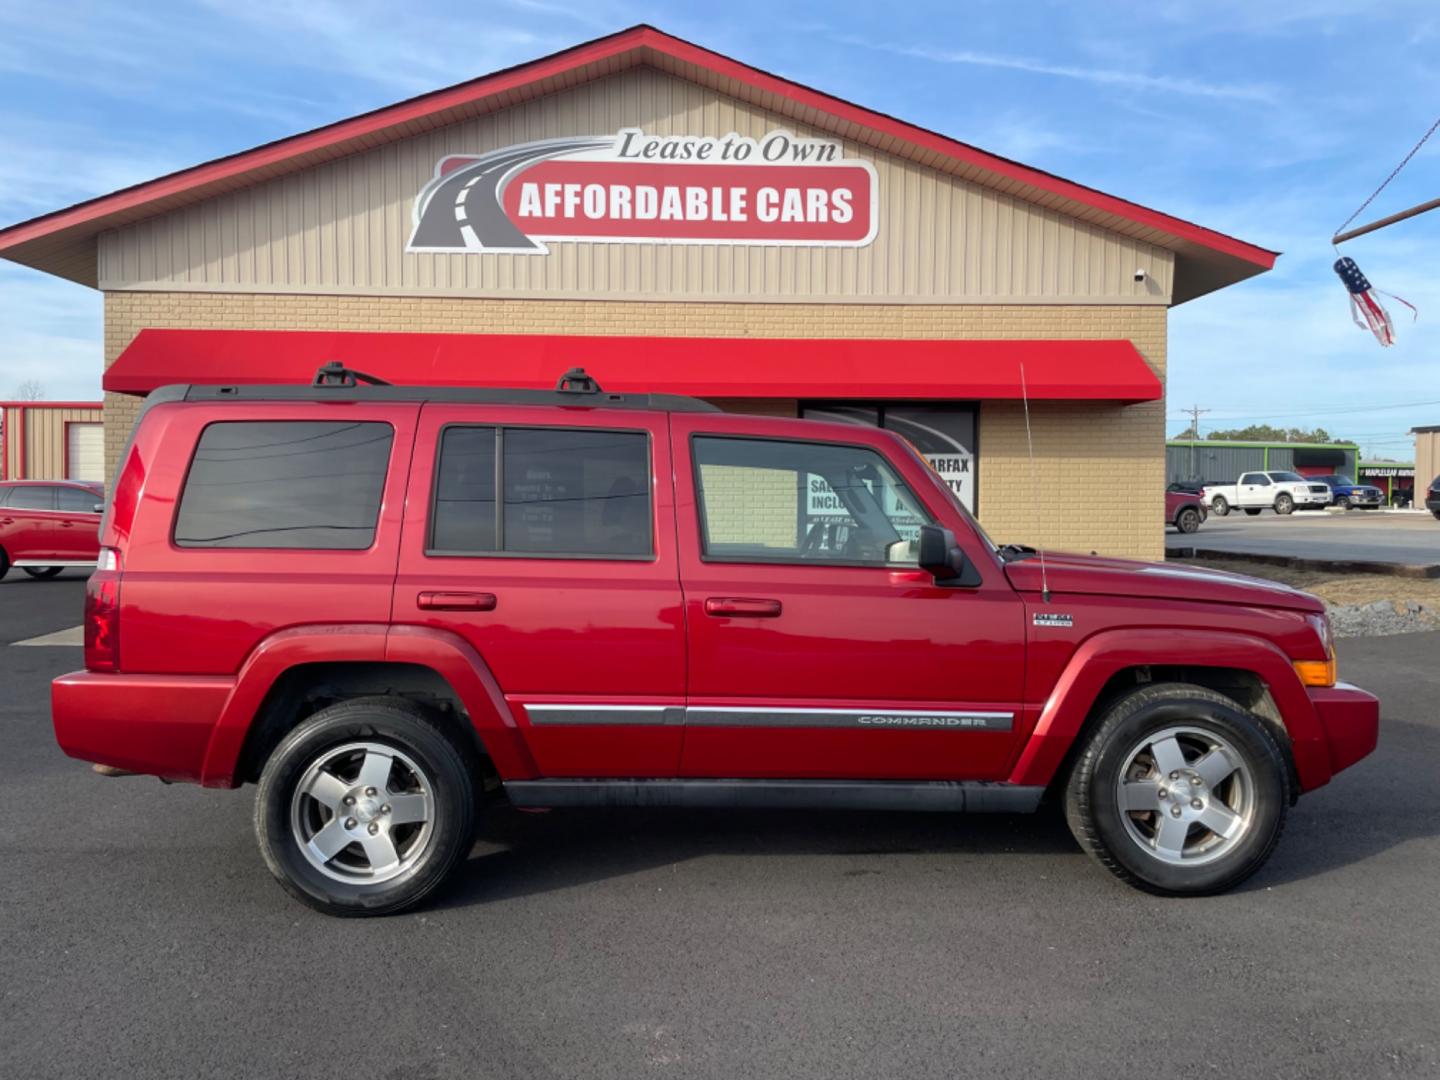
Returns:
(1099,468)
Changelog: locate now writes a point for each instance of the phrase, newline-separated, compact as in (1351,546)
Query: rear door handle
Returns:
(737,607)
(456,601)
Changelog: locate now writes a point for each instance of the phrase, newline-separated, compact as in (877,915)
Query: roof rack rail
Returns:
(335,382)
(575,381)
(336,373)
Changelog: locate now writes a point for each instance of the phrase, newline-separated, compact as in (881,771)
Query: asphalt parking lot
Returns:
(140,935)
(1365,535)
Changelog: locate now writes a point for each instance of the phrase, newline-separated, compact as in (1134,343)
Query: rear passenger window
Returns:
(77,500)
(563,491)
(285,484)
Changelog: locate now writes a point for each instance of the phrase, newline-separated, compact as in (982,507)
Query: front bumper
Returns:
(155,724)
(1351,719)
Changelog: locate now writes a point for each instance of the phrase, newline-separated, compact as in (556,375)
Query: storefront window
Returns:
(944,435)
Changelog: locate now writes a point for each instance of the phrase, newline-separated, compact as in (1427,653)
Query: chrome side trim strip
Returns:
(574,715)
(605,715)
(53,562)
(879,718)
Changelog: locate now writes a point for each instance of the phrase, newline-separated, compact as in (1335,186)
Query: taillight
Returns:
(102,614)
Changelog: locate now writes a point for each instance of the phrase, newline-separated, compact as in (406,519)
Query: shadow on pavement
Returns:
(519,854)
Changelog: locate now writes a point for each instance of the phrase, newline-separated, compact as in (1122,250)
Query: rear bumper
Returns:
(156,724)
(1351,719)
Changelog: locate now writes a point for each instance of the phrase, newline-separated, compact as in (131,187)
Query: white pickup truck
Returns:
(1278,491)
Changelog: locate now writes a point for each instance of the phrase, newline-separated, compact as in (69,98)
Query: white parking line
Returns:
(74,636)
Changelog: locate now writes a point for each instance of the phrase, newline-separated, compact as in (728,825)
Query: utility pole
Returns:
(1194,412)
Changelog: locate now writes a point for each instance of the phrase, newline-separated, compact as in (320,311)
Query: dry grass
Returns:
(1334,588)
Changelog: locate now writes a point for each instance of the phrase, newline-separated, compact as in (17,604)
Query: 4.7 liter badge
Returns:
(1050,618)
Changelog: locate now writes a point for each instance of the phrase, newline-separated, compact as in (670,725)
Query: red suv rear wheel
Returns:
(366,807)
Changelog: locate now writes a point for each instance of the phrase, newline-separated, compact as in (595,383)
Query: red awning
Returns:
(1110,370)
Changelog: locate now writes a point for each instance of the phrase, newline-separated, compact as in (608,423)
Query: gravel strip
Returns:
(1383,617)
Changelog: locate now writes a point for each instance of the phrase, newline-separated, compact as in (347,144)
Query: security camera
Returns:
(1140,275)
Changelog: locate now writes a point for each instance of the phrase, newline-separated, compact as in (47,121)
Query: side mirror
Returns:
(941,557)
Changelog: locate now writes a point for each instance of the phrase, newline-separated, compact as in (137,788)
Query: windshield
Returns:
(1286,477)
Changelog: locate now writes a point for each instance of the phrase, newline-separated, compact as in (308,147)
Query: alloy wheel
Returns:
(1186,796)
(363,813)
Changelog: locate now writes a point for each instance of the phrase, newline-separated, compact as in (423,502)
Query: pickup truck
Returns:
(1283,492)
(1346,493)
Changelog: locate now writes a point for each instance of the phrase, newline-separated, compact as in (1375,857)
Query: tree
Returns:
(1263,433)
(30,390)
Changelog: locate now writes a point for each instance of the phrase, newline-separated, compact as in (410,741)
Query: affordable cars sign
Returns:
(631,187)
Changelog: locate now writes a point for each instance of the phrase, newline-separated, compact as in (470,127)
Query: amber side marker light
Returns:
(1316,672)
(1319,672)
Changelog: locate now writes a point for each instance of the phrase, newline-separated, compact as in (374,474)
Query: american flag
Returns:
(1365,302)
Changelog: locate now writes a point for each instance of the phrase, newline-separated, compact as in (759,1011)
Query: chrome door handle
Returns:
(739,607)
(456,601)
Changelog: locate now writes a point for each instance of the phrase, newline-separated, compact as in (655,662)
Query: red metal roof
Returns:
(702,367)
(62,242)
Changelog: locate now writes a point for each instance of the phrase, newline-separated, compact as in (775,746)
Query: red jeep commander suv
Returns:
(377,600)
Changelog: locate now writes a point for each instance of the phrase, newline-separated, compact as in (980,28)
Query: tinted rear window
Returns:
(564,491)
(285,484)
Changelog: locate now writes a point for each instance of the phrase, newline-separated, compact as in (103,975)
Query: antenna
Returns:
(1034,487)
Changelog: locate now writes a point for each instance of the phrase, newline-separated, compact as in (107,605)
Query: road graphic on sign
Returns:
(461,209)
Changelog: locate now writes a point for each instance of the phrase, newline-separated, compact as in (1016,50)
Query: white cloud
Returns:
(1111,77)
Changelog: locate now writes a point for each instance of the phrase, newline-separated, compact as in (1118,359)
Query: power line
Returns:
(1328,410)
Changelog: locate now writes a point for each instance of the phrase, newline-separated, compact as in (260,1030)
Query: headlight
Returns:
(1319,672)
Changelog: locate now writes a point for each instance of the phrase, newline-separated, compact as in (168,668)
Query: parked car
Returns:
(1281,491)
(47,525)
(1432,497)
(1184,510)
(1188,487)
(378,601)
(1345,492)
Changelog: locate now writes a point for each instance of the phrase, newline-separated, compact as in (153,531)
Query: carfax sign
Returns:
(633,188)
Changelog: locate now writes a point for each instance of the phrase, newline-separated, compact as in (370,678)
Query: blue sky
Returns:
(1267,119)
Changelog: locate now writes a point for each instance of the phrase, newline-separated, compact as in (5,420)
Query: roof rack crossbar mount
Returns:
(335,373)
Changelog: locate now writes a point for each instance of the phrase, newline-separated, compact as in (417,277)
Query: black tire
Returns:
(1252,511)
(1284,504)
(1092,799)
(42,573)
(1188,520)
(1436,513)
(1343,502)
(447,762)
(1220,505)
(5,561)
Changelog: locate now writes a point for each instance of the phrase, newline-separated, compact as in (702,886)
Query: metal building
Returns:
(52,440)
(1217,461)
